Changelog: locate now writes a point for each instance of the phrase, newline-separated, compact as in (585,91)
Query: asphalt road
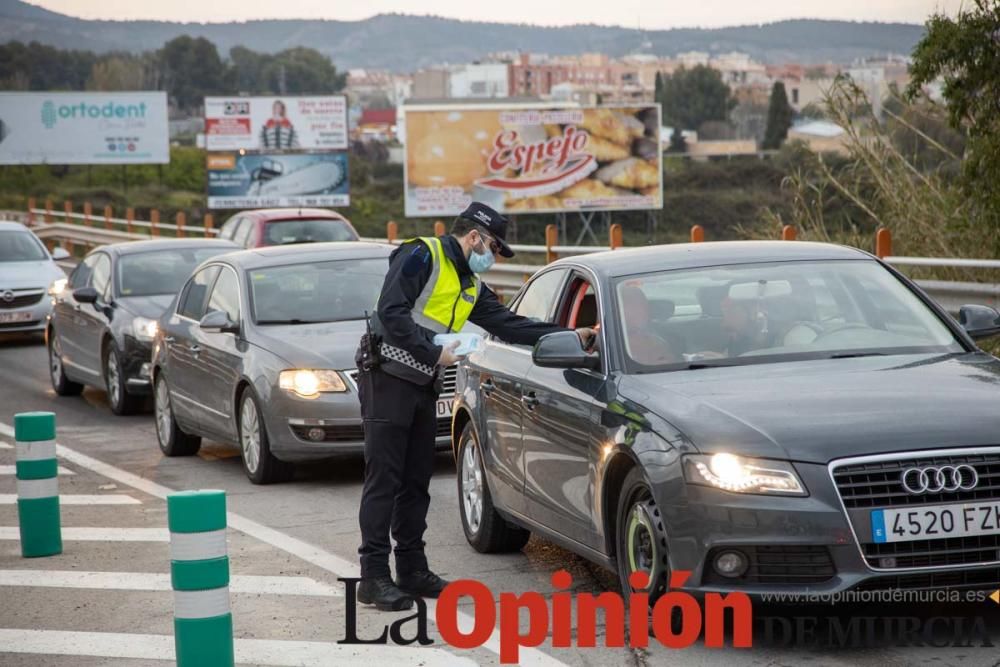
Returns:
(103,601)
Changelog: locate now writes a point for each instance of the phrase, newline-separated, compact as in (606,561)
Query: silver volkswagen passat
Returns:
(258,349)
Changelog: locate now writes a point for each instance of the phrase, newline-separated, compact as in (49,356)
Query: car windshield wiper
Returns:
(854,355)
(698,365)
(289,321)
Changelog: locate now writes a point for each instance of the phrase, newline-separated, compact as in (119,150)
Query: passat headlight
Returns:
(58,286)
(310,383)
(743,475)
(144,329)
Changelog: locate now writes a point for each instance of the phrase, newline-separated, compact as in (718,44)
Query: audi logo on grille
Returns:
(8,296)
(935,479)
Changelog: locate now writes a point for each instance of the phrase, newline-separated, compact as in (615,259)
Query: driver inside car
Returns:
(643,343)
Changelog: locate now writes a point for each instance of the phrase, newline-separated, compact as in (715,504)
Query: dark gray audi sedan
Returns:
(258,349)
(773,417)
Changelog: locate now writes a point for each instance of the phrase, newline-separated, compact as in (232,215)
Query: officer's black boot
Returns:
(422,583)
(383,593)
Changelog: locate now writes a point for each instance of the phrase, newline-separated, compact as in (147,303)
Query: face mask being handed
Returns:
(480,262)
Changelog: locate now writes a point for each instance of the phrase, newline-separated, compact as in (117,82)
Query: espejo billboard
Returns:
(84,128)
(275,180)
(538,159)
(278,123)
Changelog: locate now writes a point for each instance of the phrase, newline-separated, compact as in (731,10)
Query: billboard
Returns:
(537,159)
(84,128)
(266,180)
(276,123)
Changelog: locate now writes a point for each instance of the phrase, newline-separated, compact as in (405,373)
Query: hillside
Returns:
(403,42)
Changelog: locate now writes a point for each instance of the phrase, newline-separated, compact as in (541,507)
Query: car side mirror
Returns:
(59,253)
(218,321)
(562,349)
(85,295)
(979,321)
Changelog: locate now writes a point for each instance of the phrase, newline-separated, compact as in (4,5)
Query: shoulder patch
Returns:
(417,260)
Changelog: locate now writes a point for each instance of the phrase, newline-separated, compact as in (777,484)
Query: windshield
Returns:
(316,292)
(18,246)
(283,232)
(160,271)
(755,313)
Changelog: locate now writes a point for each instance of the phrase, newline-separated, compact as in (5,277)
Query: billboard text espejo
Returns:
(84,128)
(532,159)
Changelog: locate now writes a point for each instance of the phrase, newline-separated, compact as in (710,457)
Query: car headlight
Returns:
(310,383)
(144,329)
(58,286)
(743,475)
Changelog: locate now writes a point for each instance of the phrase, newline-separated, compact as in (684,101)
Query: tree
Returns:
(678,144)
(658,89)
(964,53)
(190,69)
(779,117)
(692,96)
(117,73)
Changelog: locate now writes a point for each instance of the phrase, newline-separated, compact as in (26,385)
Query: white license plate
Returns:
(444,408)
(6,318)
(933,522)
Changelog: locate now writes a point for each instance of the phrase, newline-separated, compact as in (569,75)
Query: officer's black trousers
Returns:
(400,423)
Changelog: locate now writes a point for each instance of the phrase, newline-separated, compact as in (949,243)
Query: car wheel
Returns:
(62,385)
(485,529)
(259,463)
(121,402)
(173,441)
(641,537)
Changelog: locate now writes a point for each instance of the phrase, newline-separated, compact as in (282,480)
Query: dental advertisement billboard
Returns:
(276,123)
(276,180)
(532,159)
(84,128)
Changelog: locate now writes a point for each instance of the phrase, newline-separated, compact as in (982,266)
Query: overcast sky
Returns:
(650,14)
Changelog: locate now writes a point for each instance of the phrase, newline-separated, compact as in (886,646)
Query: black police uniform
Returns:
(398,406)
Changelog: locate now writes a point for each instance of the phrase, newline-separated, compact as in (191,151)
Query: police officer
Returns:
(433,286)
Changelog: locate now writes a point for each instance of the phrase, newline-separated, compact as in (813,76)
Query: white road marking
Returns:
(4,445)
(12,470)
(100,534)
(81,499)
(280,653)
(155,581)
(308,552)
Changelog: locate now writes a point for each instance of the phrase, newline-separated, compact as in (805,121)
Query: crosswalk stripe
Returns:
(155,581)
(254,651)
(12,470)
(100,534)
(4,445)
(81,499)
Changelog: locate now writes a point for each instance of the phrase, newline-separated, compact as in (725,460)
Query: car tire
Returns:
(641,540)
(119,400)
(173,441)
(259,464)
(62,385)
(486,531)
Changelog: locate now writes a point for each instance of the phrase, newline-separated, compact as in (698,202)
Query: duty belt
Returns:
(401,356)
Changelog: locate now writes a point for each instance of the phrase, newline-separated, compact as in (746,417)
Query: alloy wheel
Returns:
(114,379)
(164,415)
(250,434)
(55,359)
(472,485)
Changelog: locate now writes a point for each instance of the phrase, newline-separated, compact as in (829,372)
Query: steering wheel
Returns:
(592,345)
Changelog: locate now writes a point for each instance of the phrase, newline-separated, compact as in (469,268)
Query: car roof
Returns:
(132,247)
(301,253)
(10,225)
(271,214)
(649,259)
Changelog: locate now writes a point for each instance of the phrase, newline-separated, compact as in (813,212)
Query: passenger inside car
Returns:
(642,342)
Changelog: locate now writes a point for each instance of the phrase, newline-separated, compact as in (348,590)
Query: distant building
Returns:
(368,87)
(376,125)
(821,136)
(480,80)
(431,83)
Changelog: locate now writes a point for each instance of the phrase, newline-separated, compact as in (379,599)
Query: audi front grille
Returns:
(876,482)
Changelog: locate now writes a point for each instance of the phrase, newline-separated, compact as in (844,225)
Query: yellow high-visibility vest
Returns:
(443,306)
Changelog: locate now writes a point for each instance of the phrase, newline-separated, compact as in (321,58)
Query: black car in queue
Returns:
(103,321)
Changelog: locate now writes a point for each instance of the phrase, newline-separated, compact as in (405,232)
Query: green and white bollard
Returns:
(37,484)
(199,573)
